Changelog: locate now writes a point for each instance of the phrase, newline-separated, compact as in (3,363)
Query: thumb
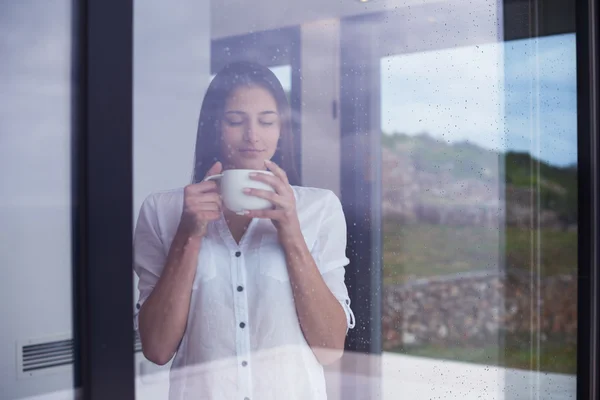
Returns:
(215,169)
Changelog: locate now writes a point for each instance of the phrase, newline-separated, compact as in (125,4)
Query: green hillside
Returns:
(463,160)
(557,185)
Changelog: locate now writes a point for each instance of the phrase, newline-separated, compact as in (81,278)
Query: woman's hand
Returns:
(201,204)
(284,214)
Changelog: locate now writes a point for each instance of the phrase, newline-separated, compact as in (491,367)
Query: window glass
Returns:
(434,199)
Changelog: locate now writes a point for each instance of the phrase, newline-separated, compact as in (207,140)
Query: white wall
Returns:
(35,194)
(171,73)
(320,88)
(235,17)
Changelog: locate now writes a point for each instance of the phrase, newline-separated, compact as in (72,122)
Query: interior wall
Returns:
(171,74)
(35,199)
(320,64)
(236,17)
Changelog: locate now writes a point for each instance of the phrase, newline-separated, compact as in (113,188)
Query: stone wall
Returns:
(477,307)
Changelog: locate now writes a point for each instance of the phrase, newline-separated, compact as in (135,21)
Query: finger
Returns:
(210,215)
(200,207)
(277,170)
(196,189)
(202,194)
(274,181)
(217,168)
(266,214)
(195,202)
(208,197)
(268,195)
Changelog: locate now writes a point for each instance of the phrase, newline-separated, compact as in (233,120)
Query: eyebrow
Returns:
(243,113)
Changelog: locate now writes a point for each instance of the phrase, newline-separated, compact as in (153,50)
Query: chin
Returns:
(252,161)
(258,164)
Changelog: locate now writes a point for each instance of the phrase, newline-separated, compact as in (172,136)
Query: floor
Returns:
(402,377)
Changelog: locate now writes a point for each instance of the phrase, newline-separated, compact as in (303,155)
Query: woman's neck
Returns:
(238,224)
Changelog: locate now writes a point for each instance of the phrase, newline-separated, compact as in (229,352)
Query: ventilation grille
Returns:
(137,343)
(47,355)
(51,355)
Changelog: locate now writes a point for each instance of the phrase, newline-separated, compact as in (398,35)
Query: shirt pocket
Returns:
(205,269)
(271,258)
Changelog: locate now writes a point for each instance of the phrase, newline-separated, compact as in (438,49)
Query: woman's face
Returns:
(250,128)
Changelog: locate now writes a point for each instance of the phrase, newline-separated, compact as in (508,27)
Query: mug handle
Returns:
(212,177)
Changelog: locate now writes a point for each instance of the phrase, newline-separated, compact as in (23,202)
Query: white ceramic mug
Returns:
(233,183)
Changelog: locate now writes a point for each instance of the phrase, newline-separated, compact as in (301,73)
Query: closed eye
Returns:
(234,123)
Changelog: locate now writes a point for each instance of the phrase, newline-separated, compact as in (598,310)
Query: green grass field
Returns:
(430,250)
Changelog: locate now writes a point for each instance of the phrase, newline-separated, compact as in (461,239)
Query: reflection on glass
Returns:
(283,74)
(36,346)
(480,206)
(541,211)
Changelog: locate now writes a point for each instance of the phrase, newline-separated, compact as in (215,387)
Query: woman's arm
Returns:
(321,316)
(163,315)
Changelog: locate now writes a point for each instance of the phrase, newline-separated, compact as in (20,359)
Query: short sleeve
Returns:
(149,256)
(329,253)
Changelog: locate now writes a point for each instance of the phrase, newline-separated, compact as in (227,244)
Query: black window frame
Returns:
(588,301)
(102,198)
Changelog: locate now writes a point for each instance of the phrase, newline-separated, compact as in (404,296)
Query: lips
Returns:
(250,151)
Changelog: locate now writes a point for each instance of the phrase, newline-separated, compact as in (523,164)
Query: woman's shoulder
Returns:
(308,197)
(164,199)
(318,209)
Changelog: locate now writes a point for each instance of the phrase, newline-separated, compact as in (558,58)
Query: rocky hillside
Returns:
(431,181)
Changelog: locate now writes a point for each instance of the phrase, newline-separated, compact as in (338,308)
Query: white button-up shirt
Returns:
(243,338)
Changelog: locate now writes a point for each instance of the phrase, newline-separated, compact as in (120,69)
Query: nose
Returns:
(250,134)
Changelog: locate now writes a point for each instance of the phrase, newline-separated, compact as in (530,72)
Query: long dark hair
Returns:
(208,139)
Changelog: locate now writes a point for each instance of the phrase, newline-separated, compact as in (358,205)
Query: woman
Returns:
(252,305)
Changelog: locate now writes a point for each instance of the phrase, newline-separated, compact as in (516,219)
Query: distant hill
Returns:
(433,163)
(462,159)
(557,185)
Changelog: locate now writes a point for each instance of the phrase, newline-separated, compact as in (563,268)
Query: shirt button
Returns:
(240,288)
(242,325)
(238,253)
(244,363)
(137,306)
